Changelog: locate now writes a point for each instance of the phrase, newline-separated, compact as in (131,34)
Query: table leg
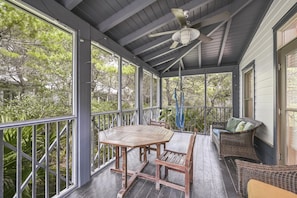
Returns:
(158,150)
(117,162)
(124,167)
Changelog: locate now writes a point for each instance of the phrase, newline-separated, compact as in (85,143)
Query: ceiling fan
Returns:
(188,33)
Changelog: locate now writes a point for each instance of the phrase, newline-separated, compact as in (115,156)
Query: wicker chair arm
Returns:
(219,125)
(282,176)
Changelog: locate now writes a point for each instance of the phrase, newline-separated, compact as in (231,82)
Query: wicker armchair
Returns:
(240,144)
(282,176)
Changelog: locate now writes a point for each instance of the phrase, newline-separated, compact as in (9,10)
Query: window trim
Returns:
(248,68)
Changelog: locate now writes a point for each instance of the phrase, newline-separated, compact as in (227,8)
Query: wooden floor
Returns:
(212,177)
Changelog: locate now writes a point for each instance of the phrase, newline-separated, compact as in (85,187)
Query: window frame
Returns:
(249,68)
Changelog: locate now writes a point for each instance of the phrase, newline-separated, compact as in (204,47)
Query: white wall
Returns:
(261,50)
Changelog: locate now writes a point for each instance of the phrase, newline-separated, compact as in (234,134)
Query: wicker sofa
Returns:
(281,176)
(231,139)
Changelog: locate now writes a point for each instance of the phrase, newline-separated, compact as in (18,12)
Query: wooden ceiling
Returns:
(129,22)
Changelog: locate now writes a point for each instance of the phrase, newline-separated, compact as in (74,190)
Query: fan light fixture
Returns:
(185,35)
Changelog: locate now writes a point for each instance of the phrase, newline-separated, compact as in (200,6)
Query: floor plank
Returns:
(211,175)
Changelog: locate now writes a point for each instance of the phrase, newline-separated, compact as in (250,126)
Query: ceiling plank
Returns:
(70,4)
(194,44)
(226,33)
(160,22)
(124,14)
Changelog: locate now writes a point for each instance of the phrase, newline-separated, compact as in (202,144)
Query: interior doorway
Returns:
(288,103)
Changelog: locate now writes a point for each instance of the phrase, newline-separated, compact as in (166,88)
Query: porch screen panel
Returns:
(219,96)
(128,85)
(194,100)
(146,89)
(35,68)
(104,79)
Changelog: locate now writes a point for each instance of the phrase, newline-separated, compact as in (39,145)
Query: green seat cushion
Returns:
(240,126)
(232,124)
(248,126)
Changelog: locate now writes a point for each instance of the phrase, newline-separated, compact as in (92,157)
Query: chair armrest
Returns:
(282,176)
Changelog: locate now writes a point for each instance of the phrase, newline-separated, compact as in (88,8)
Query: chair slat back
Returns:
(190,150)
(157,123)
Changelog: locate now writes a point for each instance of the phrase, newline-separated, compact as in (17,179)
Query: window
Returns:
(287,32)
(248,91)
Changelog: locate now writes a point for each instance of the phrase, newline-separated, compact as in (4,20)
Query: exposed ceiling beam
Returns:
(159,53)
(160,22)
(226,33)
(155,43)
(194,44)
(163,59)
(124,14)
(163,62)
(208,70)
(184,51)
(70,4)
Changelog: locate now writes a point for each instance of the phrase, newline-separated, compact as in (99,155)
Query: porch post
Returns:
(159,92)
(1,164)
(82,139)
(151,95)
(120,76)
(139,95)
(235,91)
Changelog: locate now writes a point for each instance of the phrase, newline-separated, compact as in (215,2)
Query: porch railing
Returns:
(36,157)
(197,119)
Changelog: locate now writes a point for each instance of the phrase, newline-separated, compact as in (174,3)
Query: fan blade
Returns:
(162,33)
(179,14)
(174,45)
(204,38)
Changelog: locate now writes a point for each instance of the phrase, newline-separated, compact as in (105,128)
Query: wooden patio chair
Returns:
(176,161)
(143,150)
